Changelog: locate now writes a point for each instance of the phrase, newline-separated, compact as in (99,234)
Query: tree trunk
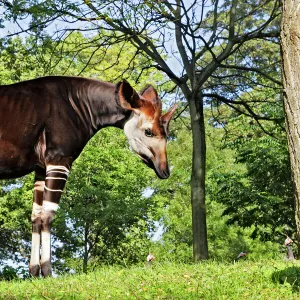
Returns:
(290,46)
(200,247)
(86,250)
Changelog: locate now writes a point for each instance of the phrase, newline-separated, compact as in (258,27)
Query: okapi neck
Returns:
(99,104)
(107,112)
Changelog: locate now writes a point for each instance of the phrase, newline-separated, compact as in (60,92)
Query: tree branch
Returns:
(256,70)
(232,104)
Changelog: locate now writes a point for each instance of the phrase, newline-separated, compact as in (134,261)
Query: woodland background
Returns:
(224,57)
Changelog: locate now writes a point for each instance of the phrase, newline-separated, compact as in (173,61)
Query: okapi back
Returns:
(47,113)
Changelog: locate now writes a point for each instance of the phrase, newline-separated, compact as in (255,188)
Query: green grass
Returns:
(206,280)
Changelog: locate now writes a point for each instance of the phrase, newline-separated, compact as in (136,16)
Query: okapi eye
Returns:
(148,132)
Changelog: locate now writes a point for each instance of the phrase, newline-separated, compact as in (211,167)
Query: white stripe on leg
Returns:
(49,206)
(39,185)
(48,213)
(35,240)
(35,249)
(46,247)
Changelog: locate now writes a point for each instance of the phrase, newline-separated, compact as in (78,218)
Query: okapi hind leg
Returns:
(56,177)
(39,184)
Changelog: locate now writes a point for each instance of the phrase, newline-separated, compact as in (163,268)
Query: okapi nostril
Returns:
(166,174)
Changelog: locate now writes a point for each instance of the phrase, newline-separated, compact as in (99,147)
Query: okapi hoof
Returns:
(46,269)
(34,270)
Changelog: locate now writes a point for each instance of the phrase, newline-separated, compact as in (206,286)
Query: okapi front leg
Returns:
(34,266)
(56,177)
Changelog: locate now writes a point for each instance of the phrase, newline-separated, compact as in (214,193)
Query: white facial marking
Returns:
(134,130)
(149,145)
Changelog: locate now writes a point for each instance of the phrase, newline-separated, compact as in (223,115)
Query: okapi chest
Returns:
(46,122)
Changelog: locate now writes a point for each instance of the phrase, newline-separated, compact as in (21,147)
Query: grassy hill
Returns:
(206,280)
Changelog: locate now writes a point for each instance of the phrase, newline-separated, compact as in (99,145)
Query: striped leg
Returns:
(56,177)
(34,267)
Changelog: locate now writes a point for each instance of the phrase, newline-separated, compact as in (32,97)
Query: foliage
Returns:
(228,67)
(208,36)
(21,60)
(235,223)
(262,194)
(290,275)
(265,279)
(103,215)
(14,218)
(8,273)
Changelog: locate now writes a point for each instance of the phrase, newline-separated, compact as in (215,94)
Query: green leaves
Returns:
(15,212)
(105,212)
(262,194)
(249,198)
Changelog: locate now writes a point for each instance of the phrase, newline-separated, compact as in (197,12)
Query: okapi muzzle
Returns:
(45,124)
(147,128)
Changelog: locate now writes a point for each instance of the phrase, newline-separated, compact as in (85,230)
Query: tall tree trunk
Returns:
(200,247)
(290,45)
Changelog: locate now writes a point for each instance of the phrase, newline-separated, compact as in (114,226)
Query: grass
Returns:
(206,280)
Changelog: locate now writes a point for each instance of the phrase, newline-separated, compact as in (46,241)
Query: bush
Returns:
(8,273)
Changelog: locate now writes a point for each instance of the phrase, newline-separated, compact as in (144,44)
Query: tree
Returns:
(261,195)
(248,196)
(206,35)
(290,44)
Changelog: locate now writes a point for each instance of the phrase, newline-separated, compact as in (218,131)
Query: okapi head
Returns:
(147,128)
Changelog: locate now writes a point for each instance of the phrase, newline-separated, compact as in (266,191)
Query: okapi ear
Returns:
(150,93)
(168,116)
(127,97)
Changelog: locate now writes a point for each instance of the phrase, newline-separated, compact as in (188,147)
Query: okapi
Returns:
(45,124)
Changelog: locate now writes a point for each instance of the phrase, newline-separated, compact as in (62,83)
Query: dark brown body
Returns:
(48,118)
(46,122)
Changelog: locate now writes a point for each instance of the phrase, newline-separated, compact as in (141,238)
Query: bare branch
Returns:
(233,104)
(256,70)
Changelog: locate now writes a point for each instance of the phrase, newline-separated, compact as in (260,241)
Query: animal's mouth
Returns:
(146,160)
(162,174)
(150,161)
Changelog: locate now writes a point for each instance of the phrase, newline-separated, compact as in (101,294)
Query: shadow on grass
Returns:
(290,275)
